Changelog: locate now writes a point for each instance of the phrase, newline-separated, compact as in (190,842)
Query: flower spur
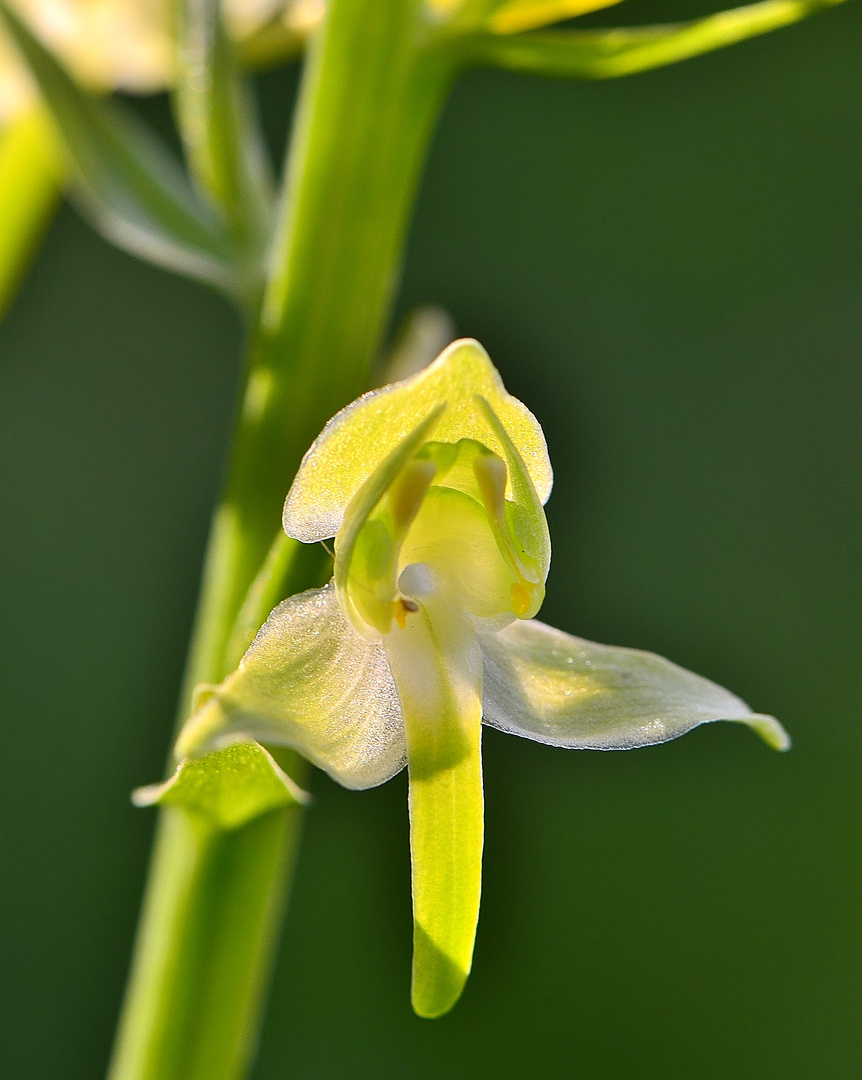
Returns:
(433,489)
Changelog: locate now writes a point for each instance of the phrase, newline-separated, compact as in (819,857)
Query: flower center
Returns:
(440,528)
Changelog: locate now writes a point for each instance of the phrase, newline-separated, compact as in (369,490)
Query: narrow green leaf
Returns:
(230,786)
(30,175)
(131,187)
(218,124)
(607,54)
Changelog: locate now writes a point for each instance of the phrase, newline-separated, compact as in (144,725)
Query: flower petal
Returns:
(514,16)
(377,541)
(358,439)
(525,518)
(309,681)
(437,665)
(548,686)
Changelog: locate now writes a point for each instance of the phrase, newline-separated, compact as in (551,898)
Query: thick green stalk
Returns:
(366,111)
(202,958)
(367,105)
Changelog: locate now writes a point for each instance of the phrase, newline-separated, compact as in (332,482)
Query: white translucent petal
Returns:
(309,681)
(548,686)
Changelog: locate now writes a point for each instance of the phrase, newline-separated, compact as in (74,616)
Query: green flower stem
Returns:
(367,106)
(30,177)
(369,99)
(289,568)
(202,959)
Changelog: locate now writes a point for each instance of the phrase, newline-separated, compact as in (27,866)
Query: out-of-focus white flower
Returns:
(124,44)
(106,43)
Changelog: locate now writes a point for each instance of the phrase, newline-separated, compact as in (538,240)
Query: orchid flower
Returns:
(433,489)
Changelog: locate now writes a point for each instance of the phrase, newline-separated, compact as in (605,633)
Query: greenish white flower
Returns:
(433,489)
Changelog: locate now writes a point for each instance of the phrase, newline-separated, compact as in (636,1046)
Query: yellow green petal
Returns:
(437,666)
(375,523)
(452,539)
(523,523)
(514,16)
(356,441)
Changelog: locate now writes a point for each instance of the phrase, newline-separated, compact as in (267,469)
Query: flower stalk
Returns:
(208,931)
(368,102)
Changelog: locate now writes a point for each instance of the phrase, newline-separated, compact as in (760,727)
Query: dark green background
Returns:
(668,270)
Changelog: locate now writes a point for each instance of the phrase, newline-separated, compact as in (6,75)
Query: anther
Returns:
(401,608)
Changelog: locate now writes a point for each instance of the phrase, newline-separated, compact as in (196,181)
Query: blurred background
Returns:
(668,270)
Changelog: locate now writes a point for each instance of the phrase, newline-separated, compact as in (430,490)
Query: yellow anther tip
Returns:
(401,608)
(521,598)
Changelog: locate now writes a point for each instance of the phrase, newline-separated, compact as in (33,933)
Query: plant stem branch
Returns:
(613,53)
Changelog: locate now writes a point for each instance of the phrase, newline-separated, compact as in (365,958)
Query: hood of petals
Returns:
(355,443)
